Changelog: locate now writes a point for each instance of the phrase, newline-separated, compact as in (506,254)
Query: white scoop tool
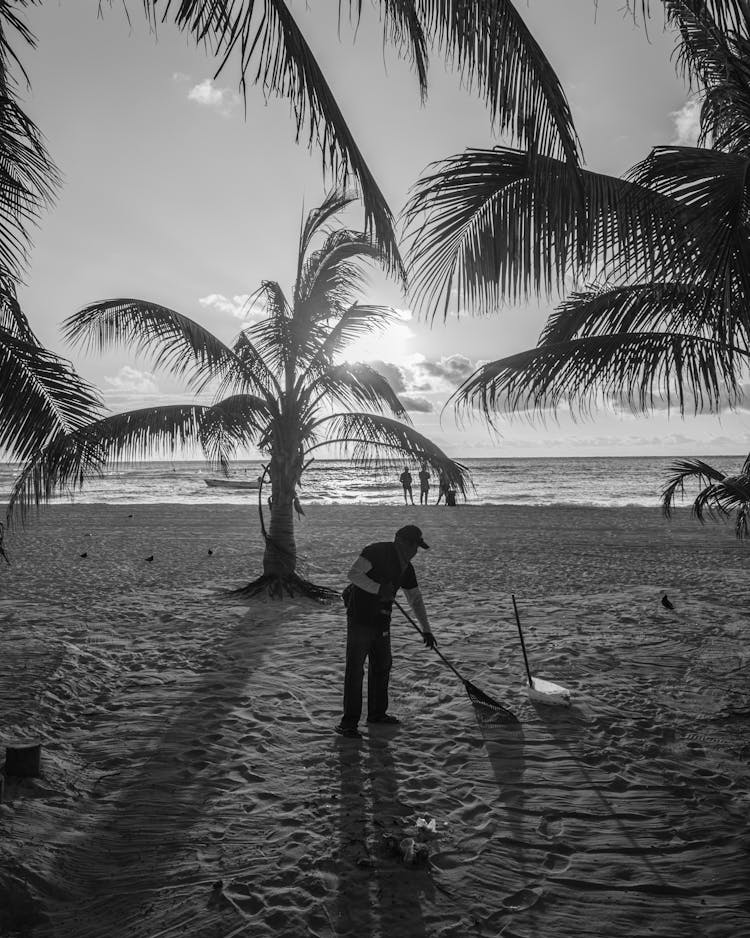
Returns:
(544,692)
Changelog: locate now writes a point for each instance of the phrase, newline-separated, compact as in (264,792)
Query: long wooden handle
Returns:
(434,647)
(523,644)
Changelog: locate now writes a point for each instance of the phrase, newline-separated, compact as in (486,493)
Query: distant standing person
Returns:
(375,578)
(405,480)
(424,484)
(442,487)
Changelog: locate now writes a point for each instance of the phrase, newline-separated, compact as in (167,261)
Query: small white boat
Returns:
(233,483)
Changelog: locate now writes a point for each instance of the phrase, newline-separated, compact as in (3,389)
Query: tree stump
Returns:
(23,759)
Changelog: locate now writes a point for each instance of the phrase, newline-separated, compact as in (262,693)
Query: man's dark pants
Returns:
(374,643)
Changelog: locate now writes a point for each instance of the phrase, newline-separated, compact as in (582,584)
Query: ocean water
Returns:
(594,481)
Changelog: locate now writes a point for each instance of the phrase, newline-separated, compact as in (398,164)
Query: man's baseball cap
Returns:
(410,532)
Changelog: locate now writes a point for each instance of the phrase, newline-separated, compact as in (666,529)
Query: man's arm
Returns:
(358,575)
(414,596)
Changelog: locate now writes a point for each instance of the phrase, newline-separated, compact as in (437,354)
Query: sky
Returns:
(176,192)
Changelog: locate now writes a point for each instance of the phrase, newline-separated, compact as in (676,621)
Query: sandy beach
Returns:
(192,783)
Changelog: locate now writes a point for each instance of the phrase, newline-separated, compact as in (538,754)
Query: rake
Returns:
(476,696)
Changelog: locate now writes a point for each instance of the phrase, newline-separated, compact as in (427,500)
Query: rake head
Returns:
(496,711)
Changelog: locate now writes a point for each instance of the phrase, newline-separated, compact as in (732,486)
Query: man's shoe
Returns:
(351,732)
(386,718)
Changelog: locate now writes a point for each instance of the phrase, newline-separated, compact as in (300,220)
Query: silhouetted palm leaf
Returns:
(379,441)
(713,188)
(720,494)
(41,395)
(354,385)
(640,369)
(172,340)
(497,225)
(71,459)
(28,177)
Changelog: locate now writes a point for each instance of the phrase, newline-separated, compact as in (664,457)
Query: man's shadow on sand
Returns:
(378,893)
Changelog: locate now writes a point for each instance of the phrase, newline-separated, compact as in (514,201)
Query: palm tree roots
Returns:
(276,586)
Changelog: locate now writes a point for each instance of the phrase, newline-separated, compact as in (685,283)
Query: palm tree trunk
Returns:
(280,556)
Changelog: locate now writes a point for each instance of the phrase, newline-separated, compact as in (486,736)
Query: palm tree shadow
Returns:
(375,886)
(565,725)
(153,810)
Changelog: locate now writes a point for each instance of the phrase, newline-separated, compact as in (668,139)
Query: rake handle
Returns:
(434,647)
(523,644)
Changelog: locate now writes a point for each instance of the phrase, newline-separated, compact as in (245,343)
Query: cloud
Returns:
(425,376)
(394,374)
(452,369)
(687,124)
(180,77)
(206,94)
(237,306)
(416,404)
(132,381)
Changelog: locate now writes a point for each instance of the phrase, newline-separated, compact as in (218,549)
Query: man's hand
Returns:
(429,639)
(387,592)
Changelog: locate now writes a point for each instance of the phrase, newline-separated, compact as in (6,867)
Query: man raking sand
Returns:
(375,578)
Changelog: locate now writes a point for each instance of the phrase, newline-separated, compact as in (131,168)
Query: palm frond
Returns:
(357,321)
(284,65)
(497,225)
(71,459)
(41,396)
(639,307)
(403,27)
(719,494)
(725,113)
(276,337)
(12,317)
(712,188)
(256,375)
(495,52)
(354,385)
(374,440)
(28,180)
(237,421)
(335,201)
(28,176)
(639,369)
(682,470)
(173,341)
(331,277)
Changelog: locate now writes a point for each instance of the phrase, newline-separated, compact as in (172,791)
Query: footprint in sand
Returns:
(550,827)
(249,776)
(558,860)
(522,900)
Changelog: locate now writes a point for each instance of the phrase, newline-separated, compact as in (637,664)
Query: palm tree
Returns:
(665,252)
(282,388)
